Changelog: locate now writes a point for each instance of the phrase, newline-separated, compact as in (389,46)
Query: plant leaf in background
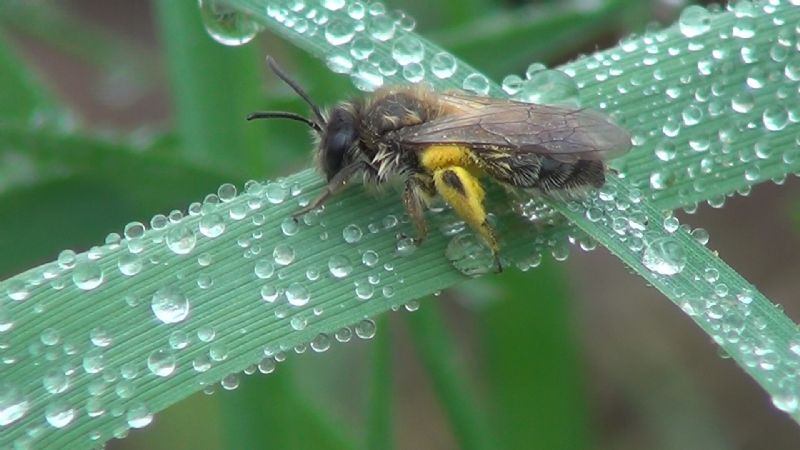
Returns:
(132,327)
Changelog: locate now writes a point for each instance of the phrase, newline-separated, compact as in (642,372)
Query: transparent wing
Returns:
(561,133)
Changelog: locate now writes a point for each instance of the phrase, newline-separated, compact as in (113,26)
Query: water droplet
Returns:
(59,413)
(17,290)
(276,193)
(469,256)
(181,239)
(408,49)
(333,5)
(100,337)
(226,192)
(775,117)
(365,329)
(161,363)
(170,305)
(297,294)
(283,254)
(340,266)
(321,343)
(130,264)
(139,415)
(226,25)
(476,83)
(368,77)
(549,87)
(340,31)
(54,382)
(382,27)
(264,269)
(67,259)
(664,256)
(212,225)
(87,275)
(694,21)
(364,291)
(352,234)
(443,65)
(405,246)
(343,335)
(665,150)
(269,293)
(298,323)
(370,258)
(13,405)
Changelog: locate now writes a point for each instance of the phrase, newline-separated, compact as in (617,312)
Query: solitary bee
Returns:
(442,143)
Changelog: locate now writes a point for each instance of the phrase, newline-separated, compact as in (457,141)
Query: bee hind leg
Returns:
(417,192)
(464,193)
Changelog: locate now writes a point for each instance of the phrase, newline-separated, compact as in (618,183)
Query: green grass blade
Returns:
(23,99)
(214,89)
(47,297)
(437,354)
(545,32)
(379,421)
(532,362)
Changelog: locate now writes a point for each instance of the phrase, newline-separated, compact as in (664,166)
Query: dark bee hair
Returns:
(338,133)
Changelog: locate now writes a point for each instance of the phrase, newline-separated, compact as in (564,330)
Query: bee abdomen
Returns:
(562,176)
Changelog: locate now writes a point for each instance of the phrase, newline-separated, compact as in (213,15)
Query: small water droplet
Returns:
(549,87)
(269,293)
(59,413)
(283,254)
(17,290)
(181,239)
(264,269)
(212,225)
(54,382)
(340,31)
(340,266)
(161,363)
(365,329)
(443,65)
(138,415)
(276,193)
(297,294)
(87,275)
(170,305)
(476,83)
(408,49)
(370,258)
(694,21)
(352,234)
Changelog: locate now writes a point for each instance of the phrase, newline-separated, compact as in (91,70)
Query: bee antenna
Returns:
(296,87)
(284,115)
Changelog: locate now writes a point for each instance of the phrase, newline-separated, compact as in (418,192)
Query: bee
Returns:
(442,144)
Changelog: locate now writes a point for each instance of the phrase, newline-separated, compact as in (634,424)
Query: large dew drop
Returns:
(469,256)
(161,363)
(226,25)
(664,256)
(170,305)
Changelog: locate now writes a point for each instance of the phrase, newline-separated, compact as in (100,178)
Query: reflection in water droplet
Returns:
(365,329)
(87,275)
(443,65)
(694,21)
(476,83)
(352,234)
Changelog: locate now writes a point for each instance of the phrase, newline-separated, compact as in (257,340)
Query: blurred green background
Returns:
(113,111)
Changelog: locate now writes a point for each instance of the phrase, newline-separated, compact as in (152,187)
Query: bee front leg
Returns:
(464,193)
(335,185)
(416,192)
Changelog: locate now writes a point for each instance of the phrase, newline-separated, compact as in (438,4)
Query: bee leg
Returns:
(335,185)
(464,193)
(414,195)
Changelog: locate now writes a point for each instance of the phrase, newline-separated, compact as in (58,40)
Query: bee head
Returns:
(337,134)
